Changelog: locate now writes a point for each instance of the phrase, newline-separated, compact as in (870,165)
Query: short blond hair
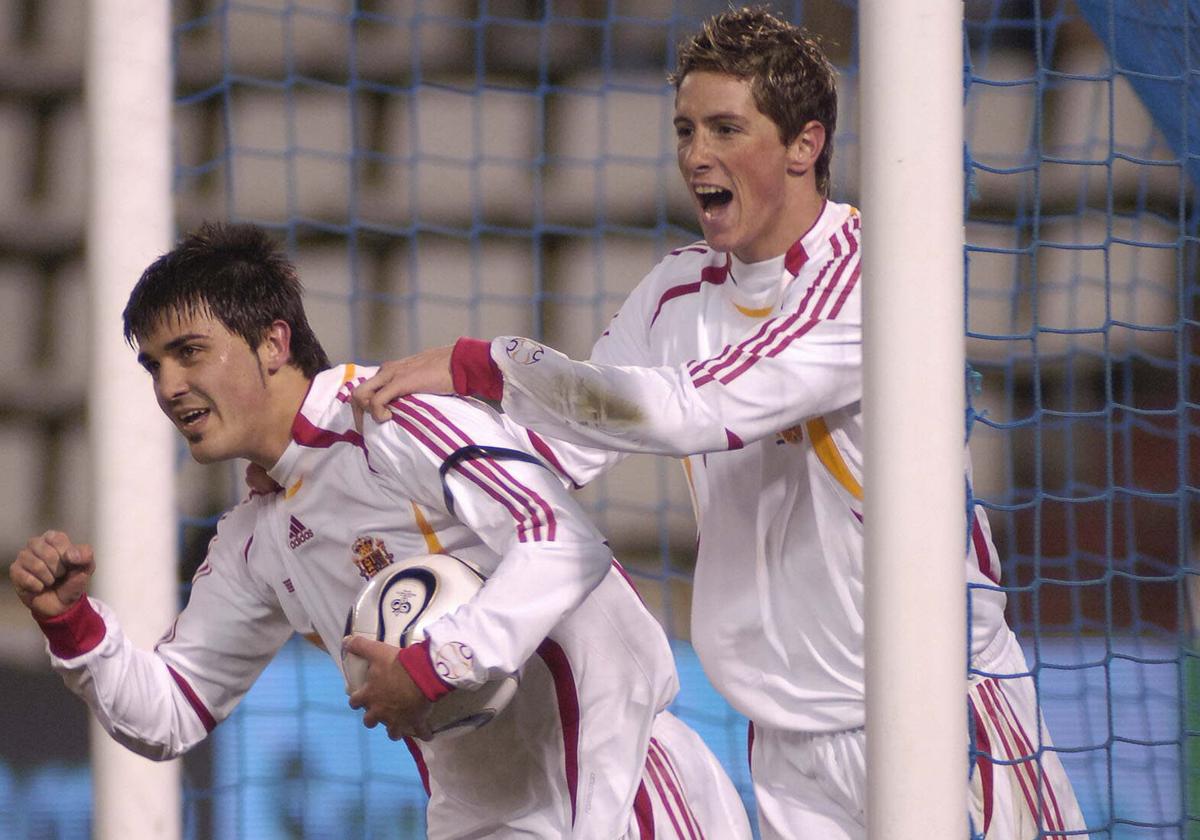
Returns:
(790,78)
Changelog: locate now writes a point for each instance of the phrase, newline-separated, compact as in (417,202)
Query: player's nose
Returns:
(696,156)
(171,382)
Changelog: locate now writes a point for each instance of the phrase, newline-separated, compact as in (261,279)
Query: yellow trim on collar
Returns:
(755,313)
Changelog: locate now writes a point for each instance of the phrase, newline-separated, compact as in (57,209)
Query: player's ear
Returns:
(275,349)
(802,152)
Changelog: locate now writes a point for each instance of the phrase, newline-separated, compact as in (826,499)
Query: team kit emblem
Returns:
(298,533)
(523,351)
(452,660)
(793,435)
(370,555)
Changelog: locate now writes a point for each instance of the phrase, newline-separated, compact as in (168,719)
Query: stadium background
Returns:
(443,167)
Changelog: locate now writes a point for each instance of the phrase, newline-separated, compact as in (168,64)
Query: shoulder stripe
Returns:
(775,335)
(305,433)
(714,274)
(543,449)
(440,450)
(533,515)
(532,500)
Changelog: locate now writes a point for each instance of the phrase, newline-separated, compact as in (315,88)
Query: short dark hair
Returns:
(236,273)
(790,77)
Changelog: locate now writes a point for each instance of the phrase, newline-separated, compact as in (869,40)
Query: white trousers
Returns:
(813,785)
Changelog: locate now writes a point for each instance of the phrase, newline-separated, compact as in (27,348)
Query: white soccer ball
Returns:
(395,607)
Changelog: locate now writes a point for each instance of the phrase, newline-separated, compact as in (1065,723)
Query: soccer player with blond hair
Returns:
(742,354)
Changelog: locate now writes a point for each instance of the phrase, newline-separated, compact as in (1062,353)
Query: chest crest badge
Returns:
(793,435)
(370,555)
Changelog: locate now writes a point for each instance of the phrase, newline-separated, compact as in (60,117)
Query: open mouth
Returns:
(191,418)
(712,197)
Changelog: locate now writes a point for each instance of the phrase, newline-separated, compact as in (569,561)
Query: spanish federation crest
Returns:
(370,555)
(792,435)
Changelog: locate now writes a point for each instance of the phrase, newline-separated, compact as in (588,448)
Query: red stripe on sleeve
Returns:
(547,454)
(202,712)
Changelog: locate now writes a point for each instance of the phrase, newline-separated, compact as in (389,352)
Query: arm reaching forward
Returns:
(647,388)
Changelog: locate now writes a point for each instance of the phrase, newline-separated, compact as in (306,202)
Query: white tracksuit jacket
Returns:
(753,375)
(442,476)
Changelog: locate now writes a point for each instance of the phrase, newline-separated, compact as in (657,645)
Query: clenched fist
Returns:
(51,573)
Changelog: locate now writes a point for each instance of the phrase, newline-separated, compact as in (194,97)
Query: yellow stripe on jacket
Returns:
(431,540)
(831,456)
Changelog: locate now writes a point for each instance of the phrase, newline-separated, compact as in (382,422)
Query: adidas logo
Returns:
(298,535)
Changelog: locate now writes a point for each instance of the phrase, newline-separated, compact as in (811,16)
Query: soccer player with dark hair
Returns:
(586,748)
(742,354)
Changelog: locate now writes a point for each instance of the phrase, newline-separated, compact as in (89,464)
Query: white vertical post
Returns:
(130,222)
(913,406)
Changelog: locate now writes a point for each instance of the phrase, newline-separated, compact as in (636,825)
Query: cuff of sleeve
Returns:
(74,632)
(416,660)
(473,371)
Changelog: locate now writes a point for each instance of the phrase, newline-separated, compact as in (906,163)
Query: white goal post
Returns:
(127,88)
(913,406)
